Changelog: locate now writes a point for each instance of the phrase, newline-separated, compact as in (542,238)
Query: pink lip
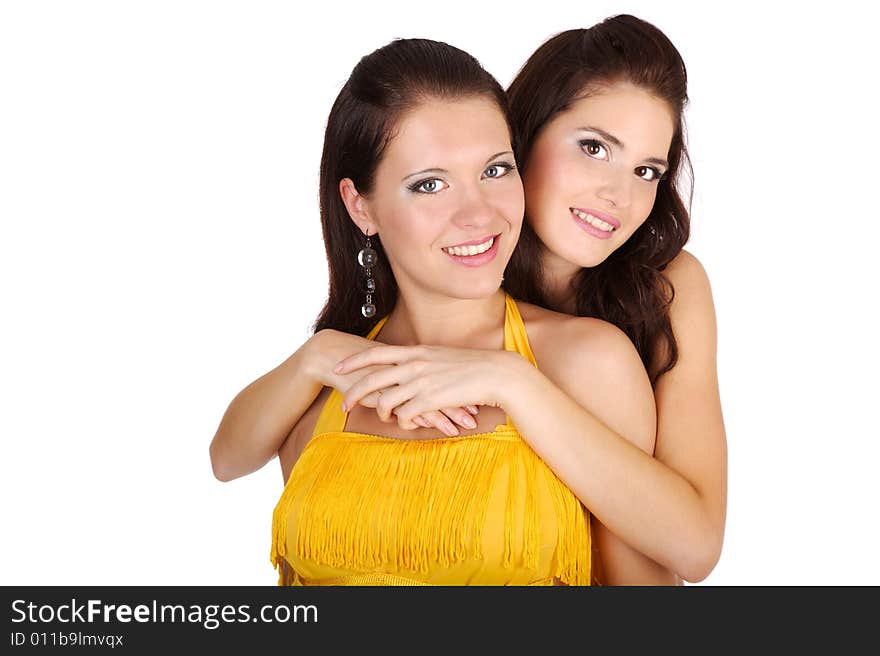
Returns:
(476,260)
(475,242)
(607,218)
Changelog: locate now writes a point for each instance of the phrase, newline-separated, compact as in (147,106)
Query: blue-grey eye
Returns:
(427,186)
(497,170)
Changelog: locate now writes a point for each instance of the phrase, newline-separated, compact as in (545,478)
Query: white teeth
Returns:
(593,221)
(473,249)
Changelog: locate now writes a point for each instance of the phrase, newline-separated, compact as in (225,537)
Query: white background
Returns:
(161,249)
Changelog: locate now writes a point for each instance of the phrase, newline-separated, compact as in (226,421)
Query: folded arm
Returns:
(261,416)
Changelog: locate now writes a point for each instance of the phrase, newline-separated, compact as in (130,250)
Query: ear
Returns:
(357,206)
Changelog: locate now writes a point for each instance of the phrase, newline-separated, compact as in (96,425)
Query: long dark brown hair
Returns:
(384,84)
(628,289)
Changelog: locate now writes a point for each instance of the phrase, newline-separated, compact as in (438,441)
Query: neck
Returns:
(453,322)
(558,276)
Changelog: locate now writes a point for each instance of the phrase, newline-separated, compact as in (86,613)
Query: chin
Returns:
(588,262)
(473,290)
(592,257)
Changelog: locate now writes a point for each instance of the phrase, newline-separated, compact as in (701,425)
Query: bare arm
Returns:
(262,415)
(691,439)
(606,387)
(670,507)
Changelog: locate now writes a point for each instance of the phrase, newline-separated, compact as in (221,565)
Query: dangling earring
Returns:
(367,258)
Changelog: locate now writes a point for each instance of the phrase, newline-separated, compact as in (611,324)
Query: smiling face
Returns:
(447,201)
(593,173)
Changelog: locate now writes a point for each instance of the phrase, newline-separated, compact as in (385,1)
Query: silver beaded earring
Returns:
(367,258)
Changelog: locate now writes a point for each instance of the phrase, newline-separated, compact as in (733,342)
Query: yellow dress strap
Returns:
(515,337)
(332,418)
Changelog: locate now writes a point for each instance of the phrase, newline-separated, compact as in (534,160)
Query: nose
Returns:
(473,210)
(616,188)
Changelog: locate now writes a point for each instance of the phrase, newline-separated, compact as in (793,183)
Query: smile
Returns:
(594,221)
(471,249)
(475,254)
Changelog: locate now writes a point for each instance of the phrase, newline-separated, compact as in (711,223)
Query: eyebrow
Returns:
(617,142)
(436,170)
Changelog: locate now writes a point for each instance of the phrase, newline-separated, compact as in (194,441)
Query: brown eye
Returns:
(594,148)
(648,173)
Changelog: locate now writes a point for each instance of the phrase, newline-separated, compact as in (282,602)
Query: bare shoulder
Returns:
(687,274)
(560,341)
(543,324)
(597,365)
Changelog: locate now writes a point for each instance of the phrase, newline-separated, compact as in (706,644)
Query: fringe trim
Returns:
(574,543)
(447,484)
(522,474)
(531,536)
(442,522)
(310,460)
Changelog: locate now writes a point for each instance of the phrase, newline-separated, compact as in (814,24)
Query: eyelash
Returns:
(415,186)
(657,175)
(595,142)
(505,166)
(591,142)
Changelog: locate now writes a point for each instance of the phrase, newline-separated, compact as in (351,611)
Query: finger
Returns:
(370,400)
(389,399)
(374,382)
(441,422)
(410,424)
(472,409)
(421,422)
(460,417)
(379,355)
(435,419)
(414,406)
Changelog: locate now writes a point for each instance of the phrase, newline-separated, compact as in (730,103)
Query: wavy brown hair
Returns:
(628,289)
(382,87)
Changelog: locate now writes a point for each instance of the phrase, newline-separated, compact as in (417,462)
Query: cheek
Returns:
(551,183)
(644,204)
(538,179)
(392,220)
(401,230)
(555,172)
(513,203)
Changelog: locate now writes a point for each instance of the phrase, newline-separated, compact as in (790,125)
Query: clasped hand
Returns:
(426,385)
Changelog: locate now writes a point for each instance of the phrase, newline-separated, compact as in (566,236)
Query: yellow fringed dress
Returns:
(479,509)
